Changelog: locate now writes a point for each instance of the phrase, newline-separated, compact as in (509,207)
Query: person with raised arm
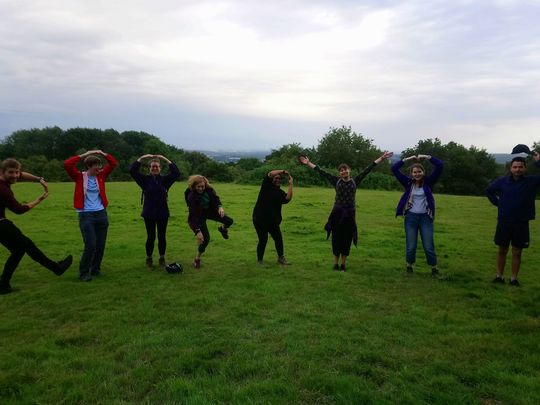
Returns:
(90,201)
(417,206)
(342,220)
(267,212)
(11,237)
(155,194)
(515,197)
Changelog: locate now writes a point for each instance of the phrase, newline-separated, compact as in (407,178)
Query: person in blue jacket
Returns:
(155,211)
(514,196)
(417,206)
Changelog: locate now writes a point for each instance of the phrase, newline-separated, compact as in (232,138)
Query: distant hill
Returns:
(233,156)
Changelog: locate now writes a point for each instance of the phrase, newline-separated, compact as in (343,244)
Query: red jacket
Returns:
(80,179)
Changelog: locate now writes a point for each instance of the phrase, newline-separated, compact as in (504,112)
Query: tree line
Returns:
(42,151)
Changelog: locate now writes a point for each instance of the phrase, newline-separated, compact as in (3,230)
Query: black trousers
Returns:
(151,225)
(263,229)
(18,244)
(226,220)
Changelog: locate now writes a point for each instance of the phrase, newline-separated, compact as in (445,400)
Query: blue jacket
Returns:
(514,198)
(155,190)
(407,183)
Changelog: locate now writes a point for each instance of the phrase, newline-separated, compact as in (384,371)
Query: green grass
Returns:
(237,333)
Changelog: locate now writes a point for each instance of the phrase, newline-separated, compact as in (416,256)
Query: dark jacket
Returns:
(155,190)
(268,206)
(344,209)
(197,214)
(515,199)
(408,183)
(7,200)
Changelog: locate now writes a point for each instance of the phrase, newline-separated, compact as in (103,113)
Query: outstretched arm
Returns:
(358,179)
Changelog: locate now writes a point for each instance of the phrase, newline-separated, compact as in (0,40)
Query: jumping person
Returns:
(90,202)
(267,212)
(514,196)
(342,220)
(417,206)
(204,204)
(155,189)
(10,236)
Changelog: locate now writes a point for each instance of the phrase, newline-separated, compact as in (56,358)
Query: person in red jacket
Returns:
(90,201)
(11,237)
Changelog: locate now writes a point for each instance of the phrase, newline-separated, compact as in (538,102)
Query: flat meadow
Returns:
(235,332)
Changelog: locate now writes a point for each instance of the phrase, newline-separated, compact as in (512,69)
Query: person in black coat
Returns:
(155,189)
(203,204)
(267,212)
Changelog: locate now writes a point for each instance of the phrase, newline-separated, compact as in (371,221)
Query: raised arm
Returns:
(358,179)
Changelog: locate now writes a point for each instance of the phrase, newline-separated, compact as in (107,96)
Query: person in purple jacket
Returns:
(11,237)
(514,196)
(417,206)
(155,189)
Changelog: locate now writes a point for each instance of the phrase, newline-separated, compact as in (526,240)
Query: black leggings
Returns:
(226,220)
(18,244)
(263,229)
(151,225)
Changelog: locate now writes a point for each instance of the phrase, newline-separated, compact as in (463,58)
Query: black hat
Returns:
(174,268)
(521,149)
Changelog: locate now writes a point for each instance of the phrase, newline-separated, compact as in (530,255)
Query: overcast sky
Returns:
(228,75)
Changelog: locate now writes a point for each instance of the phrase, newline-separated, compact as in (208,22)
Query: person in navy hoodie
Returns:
(514,196)
(155,212)
(417,206)
(204,204)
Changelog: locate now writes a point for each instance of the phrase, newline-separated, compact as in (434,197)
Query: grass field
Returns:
(234,332)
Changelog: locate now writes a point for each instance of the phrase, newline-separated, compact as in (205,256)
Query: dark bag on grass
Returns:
(174,268)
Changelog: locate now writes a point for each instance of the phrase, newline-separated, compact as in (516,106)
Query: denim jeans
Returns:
(93,227)
(424,224)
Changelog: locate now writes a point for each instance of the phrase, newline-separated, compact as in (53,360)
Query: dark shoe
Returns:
(281,260)
(434,272)
(515,283)
(409,270)
(96,273)
(197,263)
(162,261)
(5,289)
(342,267)
(498,280)
(63,265)
(149,262)
(85,277)
(224,232)
(336,266)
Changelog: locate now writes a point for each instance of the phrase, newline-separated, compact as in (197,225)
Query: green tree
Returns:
(343,145)
(467,171)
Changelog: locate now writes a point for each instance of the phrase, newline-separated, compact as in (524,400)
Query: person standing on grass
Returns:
(417,206)
(10,236)
(90,202)
(514,196)
(342,220)
(155,192)
(267,212)
(204,204)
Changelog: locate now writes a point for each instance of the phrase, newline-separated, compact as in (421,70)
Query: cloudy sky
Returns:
(248,75)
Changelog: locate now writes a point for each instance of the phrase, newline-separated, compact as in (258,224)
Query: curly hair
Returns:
(196,179)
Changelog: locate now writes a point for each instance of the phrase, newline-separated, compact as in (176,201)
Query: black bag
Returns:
(174,268)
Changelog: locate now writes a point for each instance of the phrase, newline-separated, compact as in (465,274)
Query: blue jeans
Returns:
(424,224)
(93,227)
